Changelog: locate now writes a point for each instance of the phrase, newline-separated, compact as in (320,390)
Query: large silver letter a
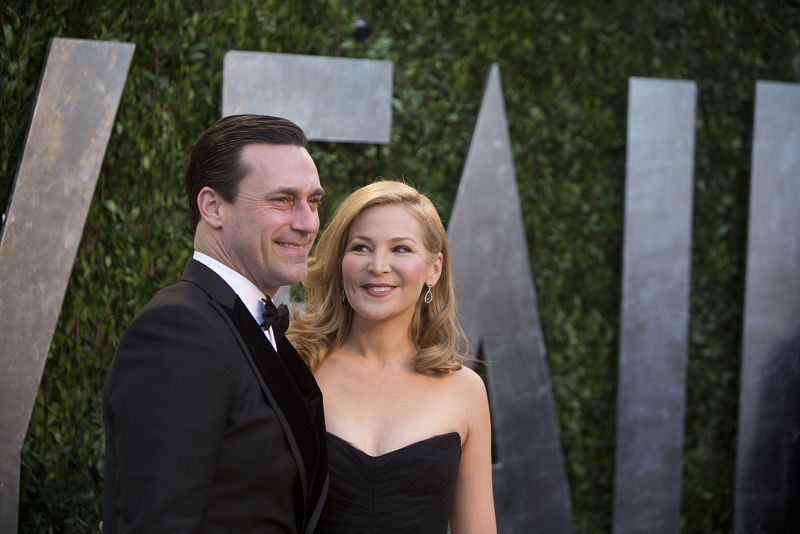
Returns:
(497,305)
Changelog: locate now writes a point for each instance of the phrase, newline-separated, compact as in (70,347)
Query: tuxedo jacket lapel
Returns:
(288,386)
(314,426)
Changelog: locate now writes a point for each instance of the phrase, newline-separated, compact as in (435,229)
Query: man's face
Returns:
(268,230)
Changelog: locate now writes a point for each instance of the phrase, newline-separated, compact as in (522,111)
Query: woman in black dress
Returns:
(409,439)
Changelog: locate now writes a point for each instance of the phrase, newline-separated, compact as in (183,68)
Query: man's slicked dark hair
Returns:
(215,160)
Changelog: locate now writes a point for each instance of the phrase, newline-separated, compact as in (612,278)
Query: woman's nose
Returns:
(379,263)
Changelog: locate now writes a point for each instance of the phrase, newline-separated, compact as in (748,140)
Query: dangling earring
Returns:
(429,294)
(342,295)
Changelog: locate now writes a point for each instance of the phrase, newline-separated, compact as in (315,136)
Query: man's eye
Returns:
(281,200)
(315,202)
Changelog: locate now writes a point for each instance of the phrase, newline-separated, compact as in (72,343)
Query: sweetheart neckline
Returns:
(404,447)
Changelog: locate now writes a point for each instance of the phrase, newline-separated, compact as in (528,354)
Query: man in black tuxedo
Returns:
(213,423)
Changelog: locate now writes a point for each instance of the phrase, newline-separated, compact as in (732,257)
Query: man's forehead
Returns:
(273,153)
(283,166)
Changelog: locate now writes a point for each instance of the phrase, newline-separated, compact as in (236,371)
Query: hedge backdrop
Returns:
(565,69)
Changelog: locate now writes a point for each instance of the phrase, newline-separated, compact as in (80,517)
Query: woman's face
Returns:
(386,265)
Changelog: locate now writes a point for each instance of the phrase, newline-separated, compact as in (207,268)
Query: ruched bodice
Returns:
(409,490)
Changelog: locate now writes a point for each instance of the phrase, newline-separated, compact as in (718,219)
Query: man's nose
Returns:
(305,218)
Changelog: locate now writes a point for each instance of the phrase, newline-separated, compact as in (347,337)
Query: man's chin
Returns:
(293,276)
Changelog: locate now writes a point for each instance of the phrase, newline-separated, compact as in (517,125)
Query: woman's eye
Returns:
(359,248)
(402,248)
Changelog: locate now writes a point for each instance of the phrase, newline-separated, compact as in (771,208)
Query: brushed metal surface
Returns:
(768,451)
(331,98)
(498,309)
(75,109)
(651,400)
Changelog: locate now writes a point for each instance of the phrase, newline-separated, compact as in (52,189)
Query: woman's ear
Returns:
(435,269)
(208,202)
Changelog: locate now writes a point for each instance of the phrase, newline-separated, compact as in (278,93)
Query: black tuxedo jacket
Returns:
(208,428)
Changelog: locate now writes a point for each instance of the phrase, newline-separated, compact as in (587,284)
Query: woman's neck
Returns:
(384,344)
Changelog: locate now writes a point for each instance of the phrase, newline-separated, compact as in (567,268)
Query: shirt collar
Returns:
(249,294)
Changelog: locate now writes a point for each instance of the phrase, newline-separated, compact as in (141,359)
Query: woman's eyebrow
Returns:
(392,240)
(395,239)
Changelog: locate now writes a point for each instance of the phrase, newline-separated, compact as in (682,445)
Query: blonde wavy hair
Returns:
(325,323)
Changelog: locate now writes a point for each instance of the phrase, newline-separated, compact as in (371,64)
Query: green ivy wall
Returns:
(564,67)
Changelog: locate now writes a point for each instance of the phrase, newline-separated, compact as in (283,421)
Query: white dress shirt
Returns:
(244,289)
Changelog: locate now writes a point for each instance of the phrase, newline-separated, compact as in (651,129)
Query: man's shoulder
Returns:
(197,286)
(179,321)
(181,293)
(180,304)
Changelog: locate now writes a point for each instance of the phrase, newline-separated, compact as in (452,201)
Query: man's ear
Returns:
(210,203)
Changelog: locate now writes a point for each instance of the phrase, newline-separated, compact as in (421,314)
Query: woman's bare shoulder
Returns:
(467,384)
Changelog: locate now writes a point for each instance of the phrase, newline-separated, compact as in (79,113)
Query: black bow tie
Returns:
(276,317)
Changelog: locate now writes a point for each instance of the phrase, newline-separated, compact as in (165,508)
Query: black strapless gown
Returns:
(409,490)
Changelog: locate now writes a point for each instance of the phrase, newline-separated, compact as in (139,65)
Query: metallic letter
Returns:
(655,306)
(78,98)
(332,99)
(768,452)
(497,304)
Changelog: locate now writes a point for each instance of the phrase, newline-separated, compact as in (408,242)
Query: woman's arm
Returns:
(473,504)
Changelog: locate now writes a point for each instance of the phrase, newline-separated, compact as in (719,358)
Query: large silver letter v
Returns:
(75,109)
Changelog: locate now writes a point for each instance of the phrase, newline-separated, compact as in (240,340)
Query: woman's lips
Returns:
(378,290)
